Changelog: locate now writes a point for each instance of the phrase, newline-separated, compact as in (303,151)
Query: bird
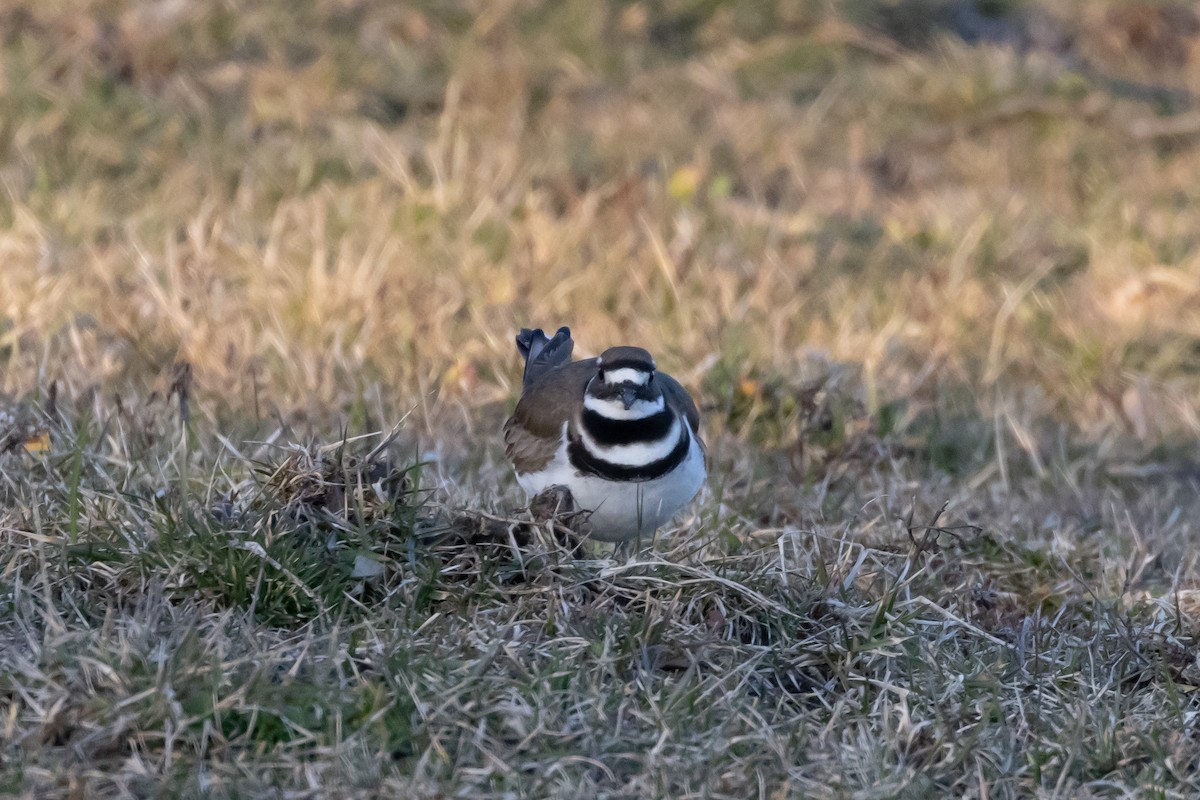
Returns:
(622,437)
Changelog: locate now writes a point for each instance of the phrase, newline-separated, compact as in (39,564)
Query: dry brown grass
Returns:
(908,255)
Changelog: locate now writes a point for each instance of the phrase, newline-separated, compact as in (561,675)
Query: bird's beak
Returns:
(628,395)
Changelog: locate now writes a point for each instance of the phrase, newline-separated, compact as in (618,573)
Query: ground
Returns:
(930,267)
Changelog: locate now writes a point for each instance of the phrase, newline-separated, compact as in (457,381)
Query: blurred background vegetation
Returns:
(351,204)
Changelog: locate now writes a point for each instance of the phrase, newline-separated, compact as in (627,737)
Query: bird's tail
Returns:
(543,354)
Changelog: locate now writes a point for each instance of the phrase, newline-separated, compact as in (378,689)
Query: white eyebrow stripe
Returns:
(615,409)
(626,375)
(637,454)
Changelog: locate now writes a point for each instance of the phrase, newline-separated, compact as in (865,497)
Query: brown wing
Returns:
(527,452)
(533,432)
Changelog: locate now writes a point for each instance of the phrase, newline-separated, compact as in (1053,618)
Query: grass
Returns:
(929,268)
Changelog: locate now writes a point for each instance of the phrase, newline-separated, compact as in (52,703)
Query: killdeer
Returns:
(621,436)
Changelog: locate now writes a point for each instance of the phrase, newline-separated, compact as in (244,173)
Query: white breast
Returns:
(622,510)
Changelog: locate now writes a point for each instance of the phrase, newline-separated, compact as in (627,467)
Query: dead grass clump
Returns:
(318,611)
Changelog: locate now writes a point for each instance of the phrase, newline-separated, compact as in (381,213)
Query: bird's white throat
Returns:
(615,409)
